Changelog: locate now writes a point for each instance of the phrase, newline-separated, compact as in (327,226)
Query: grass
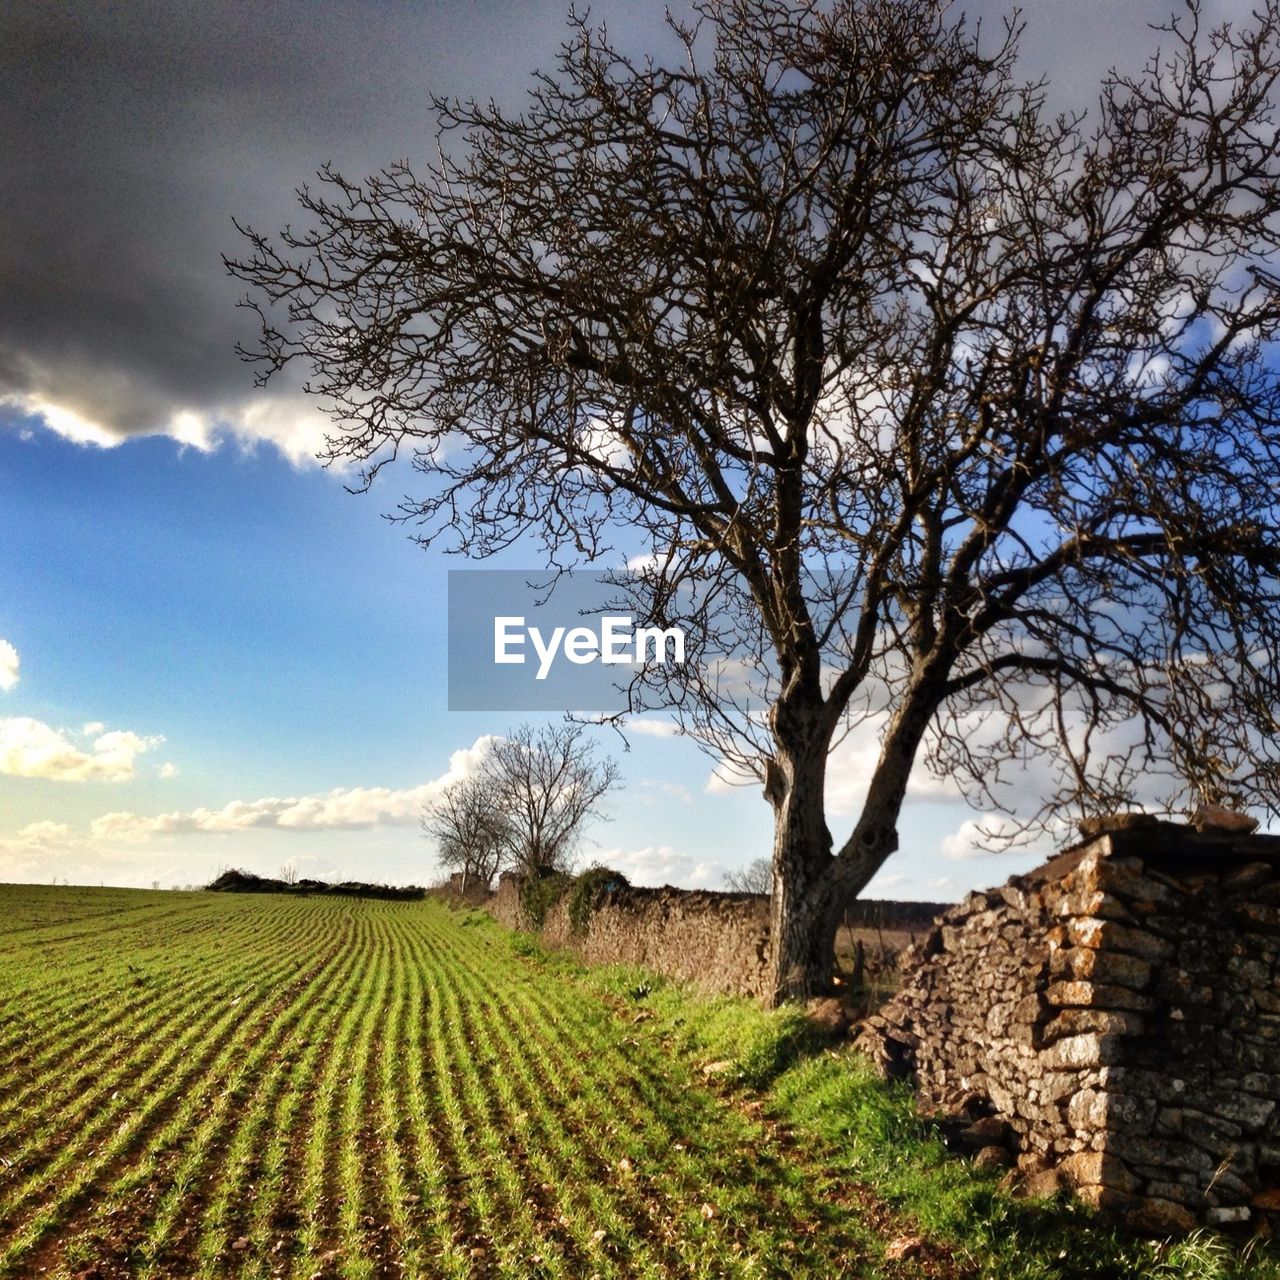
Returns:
(205,1085)
(843,1115)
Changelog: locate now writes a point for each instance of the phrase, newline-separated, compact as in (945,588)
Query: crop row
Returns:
(278,1087)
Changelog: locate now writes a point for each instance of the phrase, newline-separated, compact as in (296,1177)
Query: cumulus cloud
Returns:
(169,770)
(43,835)
(850,766)
(653,728)
(343,808)
(31,749)
(992,835)
(294,427)
(9,662)
(658,864)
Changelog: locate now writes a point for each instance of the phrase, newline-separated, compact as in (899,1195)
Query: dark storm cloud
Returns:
(134,131)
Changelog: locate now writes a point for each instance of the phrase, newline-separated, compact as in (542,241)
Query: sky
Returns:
(211,653)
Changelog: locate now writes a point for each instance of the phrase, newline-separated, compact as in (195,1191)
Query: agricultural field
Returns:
(195,1084)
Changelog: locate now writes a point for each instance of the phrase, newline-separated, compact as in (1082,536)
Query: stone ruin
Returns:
(1110,1023)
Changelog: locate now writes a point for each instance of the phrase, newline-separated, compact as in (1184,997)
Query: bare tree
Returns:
(547,783)
(287,872)
(755,877)
(935,411)
(472,835)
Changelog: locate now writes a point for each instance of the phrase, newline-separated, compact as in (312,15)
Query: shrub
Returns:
(538,894)
(586,889)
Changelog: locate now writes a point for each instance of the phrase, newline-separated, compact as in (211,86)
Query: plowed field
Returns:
(199,1084)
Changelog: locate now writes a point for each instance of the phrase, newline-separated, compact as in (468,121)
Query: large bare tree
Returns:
(934,409)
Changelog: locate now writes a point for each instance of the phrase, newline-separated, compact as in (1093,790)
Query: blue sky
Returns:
(265,635)
(210,653)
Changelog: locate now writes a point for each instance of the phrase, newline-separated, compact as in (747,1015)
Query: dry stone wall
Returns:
(1113,1020)
(720,941)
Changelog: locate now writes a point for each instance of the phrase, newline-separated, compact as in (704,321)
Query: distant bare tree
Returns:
(755,877)
(288,872)
(942,413)
(547,782)
(471,833)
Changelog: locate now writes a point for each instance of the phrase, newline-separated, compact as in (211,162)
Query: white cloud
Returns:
(39,835)
(42,851)
(93,728)
(989,835)
(653,728)
(343,808)
(9,662)
(881,882)
(31,749)
(291,424)
(659,864)
(725,779)
(169,770)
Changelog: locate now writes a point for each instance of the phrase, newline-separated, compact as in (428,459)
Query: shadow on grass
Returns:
(864,1129)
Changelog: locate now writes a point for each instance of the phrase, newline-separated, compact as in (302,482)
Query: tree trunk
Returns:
(810,886)
(804,913)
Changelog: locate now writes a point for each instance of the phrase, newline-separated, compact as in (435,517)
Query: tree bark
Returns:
(811,887)
(804,912)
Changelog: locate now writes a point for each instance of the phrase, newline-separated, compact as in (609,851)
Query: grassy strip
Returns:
(576,1208)
(840,1111)
(124,1134)
(361,1247)
(271,1140)
(109,965)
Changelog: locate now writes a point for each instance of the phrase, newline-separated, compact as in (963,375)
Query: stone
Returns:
(1249,876)
(1103,967)
(993,1158)
(904,1248)
(1156,1217)
(1042,1185)
(1108,935)
(1227,1215)
(828,1015)
(1242,1109)
(1097,1168)
(1132,883)
(1092,994)
(1165,1153)
(1072,1022)
(1269,1200)
(1096,825)
(1216,817)
(1087,1110)
(1088,1050)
